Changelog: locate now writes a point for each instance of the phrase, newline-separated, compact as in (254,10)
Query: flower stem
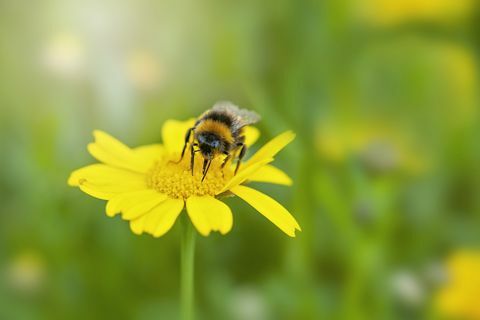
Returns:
(187,268)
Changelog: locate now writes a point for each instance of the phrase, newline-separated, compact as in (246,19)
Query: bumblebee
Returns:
(219,131)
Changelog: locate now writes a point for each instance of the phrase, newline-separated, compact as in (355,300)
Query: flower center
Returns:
(176,179)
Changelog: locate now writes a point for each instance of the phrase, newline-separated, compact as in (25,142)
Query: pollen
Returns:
(176,179)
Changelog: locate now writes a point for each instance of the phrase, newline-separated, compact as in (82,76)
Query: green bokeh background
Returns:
(383,96)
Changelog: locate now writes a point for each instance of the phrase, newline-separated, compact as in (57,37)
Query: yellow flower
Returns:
(150,190)
(460,296)
(377,145)
(144,70)
(26,273)
(395,12)
(457,68)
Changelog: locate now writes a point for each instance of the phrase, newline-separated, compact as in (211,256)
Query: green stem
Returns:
(187,268)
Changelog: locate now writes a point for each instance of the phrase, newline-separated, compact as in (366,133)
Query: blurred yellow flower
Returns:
(144,70)
(376,145)
(26,273)
(459,298)
(445,88)
(150,190)
(458,67)
(394,12)
(64,55)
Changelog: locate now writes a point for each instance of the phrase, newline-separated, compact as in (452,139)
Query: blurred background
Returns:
(383,96)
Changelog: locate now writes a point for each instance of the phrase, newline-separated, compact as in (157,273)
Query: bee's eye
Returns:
(215,144)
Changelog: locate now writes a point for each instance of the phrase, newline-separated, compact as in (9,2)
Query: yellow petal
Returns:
(150,153)
(173,134)
(243,175)
(105,182)
(161,218)
(124,201)
(111,159)
(136,225)
(111,190)
(142,207)
(251,135)
(109,150)
(110,144)
(269,208)
(272,147)
(270,174)
(208,213)
(104,175)
(95,192)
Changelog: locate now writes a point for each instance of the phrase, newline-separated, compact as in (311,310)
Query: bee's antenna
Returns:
(205,168)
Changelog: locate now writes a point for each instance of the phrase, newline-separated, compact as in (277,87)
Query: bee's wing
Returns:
(243,117)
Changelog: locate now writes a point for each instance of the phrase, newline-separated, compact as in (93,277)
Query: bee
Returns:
(219,131)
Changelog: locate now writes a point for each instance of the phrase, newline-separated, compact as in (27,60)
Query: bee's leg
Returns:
(187,140)
(243,150)
(205,162)
(192,157)
(228,157)
(206,166)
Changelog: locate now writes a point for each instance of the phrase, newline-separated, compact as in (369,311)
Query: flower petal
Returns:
(150,153)
(270,174)
(95,192)
(243,175)
(161,218)
(208,213)
(173,134)
(107,177)
(110,144)
(251,135)
(109,150)
(126,201)
(105,182)
(142,207)
(271,148)
(269,208)
(136,225)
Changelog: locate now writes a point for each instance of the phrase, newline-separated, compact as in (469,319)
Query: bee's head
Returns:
(209,144)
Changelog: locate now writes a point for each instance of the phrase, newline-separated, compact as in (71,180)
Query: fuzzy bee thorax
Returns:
(218,128)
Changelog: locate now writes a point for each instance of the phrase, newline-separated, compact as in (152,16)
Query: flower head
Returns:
(149,188)
(459,298)
(392,13)
(380,148)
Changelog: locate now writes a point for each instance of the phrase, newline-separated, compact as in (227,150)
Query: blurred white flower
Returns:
(435,274)
(364,212)
(380,155)
(407,288)
(64,55)
(25,273)
(247,303)
(144,70)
